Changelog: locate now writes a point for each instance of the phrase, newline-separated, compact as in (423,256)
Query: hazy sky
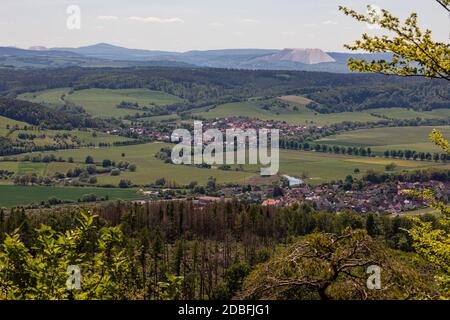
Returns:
(181,25)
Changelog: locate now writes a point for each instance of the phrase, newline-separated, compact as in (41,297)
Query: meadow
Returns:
(7,122)
(317,167)
(403,113)
(149,168)
(314,167)
(393,138)
(45,137)
(297,113)
(81,137)
(102,102)
(50,97)
(38,168)
(21,195)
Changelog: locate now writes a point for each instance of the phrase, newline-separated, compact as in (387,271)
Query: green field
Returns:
(322,167)
(18,195)
(74,137)
(102,102)
(402,113)
(4,122)
(318,167)
(150,168)
(39,168)
(51,97)
(302,115)
(81,137)
(395,138)
(172,117)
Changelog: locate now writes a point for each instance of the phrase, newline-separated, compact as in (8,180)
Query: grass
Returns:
(318,167)
(4,122)
(21,195)
(394,138)
(403,113)
(299,115)
(102,102)
(298,100)
(82,137)
(26,168)
(39,168)
(51,97)
(322,167)
(172,117)
(150,168)
(420,212)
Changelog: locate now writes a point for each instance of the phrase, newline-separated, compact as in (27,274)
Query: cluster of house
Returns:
(253,123)
(163,133)
(388,198)
(156,135)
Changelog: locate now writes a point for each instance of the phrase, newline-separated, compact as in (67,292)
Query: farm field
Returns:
(4,122)
(402,113)
(323,167)
(171,117)
(302,115)
(83,137)
(20,195)
(102,102)
(394,138)
(149,168)
(57,137)
(38,168)
(316,166)
(50,97)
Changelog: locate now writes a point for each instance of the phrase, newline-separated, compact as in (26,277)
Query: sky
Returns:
(183,25)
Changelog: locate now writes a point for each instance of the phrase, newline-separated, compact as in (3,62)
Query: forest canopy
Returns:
(331,92)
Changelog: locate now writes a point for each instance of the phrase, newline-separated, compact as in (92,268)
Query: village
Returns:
(162,131)
(385,198)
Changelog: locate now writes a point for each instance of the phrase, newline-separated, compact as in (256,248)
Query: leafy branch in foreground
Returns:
(41,272)
(414,51)
(414,54)
(445,4)
(439,140)
(434,243)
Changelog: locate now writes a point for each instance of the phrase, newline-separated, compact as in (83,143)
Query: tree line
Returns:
(213,248)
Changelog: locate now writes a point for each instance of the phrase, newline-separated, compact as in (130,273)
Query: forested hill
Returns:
(36,114)
(331,92)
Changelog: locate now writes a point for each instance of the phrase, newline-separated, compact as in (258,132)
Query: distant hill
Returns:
(305,56)
(251,59)
(41,57)
(111,52)
(16,52)
(107,55)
